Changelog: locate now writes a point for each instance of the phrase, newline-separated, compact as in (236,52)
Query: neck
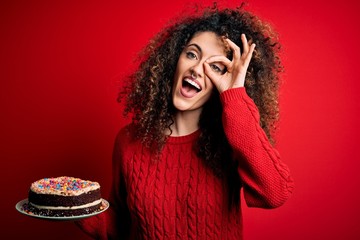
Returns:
(185,122)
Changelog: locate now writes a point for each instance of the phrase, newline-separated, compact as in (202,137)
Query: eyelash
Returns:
(216,68)
(191,55)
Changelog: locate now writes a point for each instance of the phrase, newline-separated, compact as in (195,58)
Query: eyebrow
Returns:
(196,46)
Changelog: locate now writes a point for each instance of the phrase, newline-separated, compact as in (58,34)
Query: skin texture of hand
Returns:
(235,75)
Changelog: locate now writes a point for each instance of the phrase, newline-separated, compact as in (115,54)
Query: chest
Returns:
(172,188)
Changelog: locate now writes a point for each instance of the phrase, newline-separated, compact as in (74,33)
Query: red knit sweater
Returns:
(177,197)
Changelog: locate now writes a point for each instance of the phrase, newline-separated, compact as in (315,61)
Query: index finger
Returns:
(235,49)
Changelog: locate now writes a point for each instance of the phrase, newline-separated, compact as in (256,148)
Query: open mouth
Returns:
(191,84)
(190,88)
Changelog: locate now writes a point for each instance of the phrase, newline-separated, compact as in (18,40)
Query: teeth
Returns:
(191,82)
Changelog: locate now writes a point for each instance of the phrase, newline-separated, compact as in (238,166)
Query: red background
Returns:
(62,61)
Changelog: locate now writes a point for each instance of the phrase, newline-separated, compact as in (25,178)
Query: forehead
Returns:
(209,43)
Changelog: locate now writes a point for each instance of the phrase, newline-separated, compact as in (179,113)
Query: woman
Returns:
(204,106)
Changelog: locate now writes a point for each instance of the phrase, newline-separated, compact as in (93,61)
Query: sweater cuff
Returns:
(233,94)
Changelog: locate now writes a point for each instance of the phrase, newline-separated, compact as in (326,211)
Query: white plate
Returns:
(20,208)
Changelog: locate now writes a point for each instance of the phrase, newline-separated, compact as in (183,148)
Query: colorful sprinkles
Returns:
(62,185)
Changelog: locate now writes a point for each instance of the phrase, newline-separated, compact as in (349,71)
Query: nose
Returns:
(197,70)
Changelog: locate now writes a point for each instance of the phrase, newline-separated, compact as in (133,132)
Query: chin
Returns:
(182,107)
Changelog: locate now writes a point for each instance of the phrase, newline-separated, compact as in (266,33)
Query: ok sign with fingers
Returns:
(236,68)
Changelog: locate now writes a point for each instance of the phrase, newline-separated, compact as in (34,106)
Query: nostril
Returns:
(193,75)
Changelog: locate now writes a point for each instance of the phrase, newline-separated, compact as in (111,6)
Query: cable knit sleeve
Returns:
(266,180)
(114,222)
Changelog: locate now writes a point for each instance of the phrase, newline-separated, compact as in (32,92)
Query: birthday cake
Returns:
(64,196)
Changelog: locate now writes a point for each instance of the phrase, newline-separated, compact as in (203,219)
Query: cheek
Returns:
(209,84)
(209,90)
(179,71)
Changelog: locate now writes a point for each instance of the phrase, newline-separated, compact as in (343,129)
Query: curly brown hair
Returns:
(148,96)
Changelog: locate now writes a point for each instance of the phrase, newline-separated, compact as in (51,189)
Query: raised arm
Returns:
(266,180)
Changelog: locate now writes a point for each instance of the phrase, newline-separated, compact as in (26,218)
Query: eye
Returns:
(216,68)
(191,55)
